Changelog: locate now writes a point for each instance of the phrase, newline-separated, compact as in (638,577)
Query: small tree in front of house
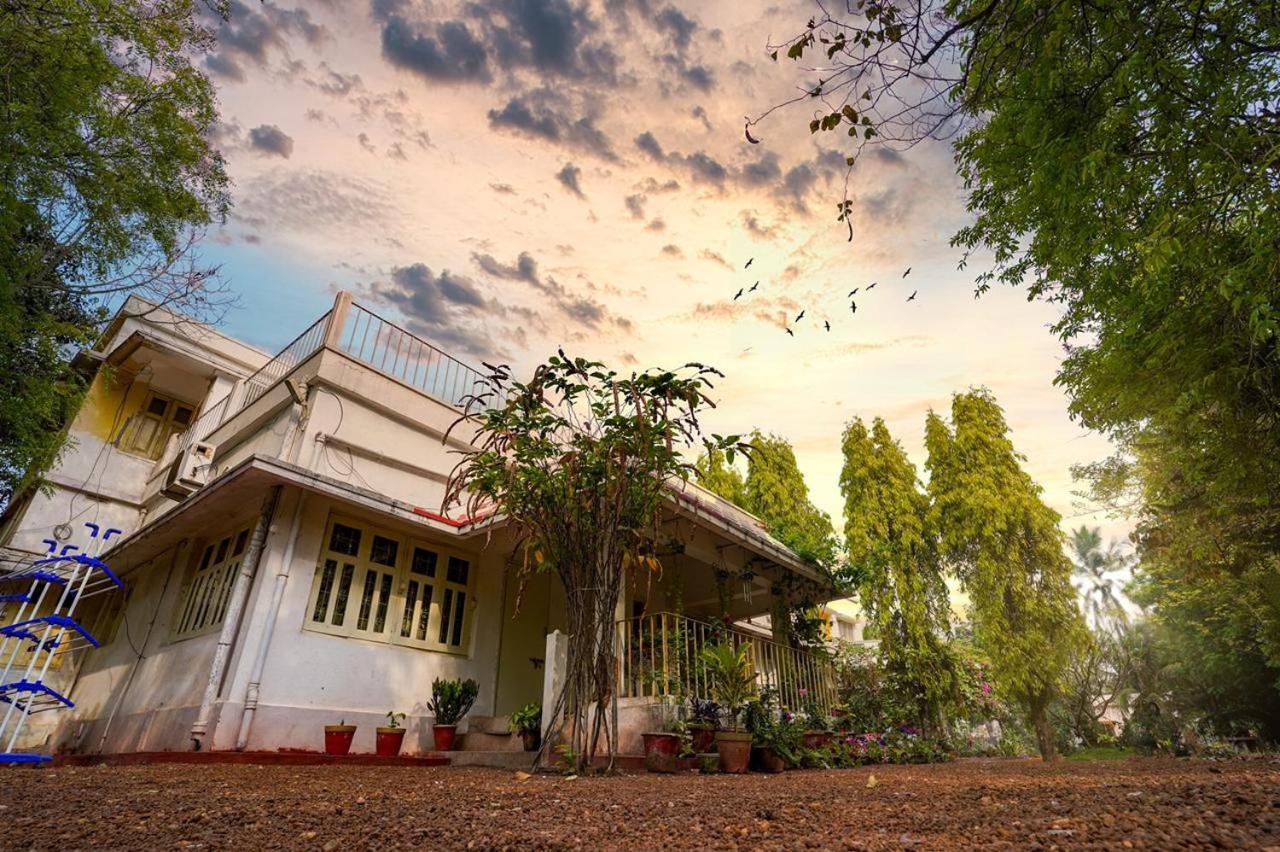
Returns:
(578,461)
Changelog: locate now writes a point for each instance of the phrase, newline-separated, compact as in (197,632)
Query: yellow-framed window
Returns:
(374,584)
(148,431)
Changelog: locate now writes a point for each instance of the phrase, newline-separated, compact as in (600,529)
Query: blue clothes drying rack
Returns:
(46,594)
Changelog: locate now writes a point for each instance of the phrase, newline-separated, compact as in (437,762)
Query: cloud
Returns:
(672,250)
(568,176)
(648,143)
(700,113)
(311,200)
(503,188)
(762,172)
(679,27)
(271,140)
(251,32)
(581,310)
(635,204)
(543,114)
(714,257)
(656,225)
(335,83)
(446,309)
(699,76)
(703,167)
(448,52)
(757,228)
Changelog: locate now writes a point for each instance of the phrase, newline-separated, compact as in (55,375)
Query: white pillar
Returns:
(554,671)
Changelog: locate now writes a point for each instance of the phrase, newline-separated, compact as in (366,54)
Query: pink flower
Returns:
(803,692)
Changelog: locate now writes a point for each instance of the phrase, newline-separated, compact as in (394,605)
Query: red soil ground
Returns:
(1142,804)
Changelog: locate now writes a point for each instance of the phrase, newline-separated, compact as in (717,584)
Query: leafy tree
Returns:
(1093,564)
(107,168)
(1094,680)
(579,461)
(1004,544)
(714,472)
(886,533)
(1119,159)
(775,491)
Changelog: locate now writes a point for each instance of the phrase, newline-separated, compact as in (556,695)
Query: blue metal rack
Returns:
(45,631)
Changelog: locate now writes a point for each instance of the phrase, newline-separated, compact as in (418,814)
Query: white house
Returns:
(287,563)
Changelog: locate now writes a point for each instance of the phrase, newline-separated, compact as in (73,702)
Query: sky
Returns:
(509,177)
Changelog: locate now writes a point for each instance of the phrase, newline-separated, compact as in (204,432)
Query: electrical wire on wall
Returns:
(350,460)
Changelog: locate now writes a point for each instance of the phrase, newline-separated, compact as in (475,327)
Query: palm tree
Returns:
(1093,564)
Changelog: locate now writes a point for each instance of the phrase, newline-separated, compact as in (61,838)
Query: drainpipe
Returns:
(264,643)
(231,623)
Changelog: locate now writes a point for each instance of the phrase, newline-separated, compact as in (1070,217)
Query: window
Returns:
(374,585)
(204,600)
(147,432)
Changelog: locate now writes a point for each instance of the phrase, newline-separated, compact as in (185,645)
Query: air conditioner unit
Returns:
(189,471)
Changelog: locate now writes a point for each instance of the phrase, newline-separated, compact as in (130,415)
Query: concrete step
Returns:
(489,724)
(474,740)
(513,760)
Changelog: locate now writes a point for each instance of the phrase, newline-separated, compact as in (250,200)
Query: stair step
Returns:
(489,724)
(480,741)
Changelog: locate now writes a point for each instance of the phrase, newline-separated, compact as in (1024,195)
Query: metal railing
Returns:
(405,357)
(660,655)
(300,349)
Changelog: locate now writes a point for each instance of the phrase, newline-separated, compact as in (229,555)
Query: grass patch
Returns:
(1102,753)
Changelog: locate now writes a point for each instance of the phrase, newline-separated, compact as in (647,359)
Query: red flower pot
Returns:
(660,752)
(735,751)
(389,741)
(767,760)
(704,739)
(816,739)
(444,736)
(337,738)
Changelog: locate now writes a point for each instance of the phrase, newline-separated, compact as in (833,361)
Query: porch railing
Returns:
(405,357)
(660,654)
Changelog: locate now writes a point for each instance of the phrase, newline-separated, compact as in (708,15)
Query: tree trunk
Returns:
(1044,731)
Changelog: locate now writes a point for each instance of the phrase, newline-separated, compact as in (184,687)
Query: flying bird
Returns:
(753,287)
(908,272)
(853,292)
(739,293)
(790,332)
(872,285)
(749,262)
(853,307)
(912,296)
(827,324)
(799,317)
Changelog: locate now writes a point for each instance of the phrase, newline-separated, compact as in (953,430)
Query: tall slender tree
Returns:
(1005,546)
(886,520)
(776,492)
(1093,565)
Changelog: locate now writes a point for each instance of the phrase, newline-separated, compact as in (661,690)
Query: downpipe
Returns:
(231,622)
(268,629)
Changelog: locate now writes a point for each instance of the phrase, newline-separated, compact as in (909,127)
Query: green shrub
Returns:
(452,699)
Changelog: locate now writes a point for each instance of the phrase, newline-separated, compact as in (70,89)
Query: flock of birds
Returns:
(853,305)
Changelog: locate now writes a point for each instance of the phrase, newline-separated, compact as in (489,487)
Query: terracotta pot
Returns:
(337,738)
(817,739)
(532,739)
(735,751)
(704,738)
(388,741)
(767,760)
(660,751)
(444,735)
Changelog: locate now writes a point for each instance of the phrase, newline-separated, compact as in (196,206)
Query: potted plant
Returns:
(661,748)
(733,684)
(390,736)
(704,718)
(450,701)
(817,733)
(527,721)
(337,738)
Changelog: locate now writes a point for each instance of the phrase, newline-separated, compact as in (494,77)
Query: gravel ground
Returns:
(1154,804)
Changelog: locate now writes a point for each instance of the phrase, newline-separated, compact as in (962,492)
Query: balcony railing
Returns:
(660,655)
(405,357)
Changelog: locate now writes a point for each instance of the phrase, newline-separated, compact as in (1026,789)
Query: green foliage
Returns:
(452,699)
(775,492)
(731,676)
(107,167)
(716,474)
(580,461)
(1004,544)
(394,719)
(528,719)
(888,540)
(1093,564)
